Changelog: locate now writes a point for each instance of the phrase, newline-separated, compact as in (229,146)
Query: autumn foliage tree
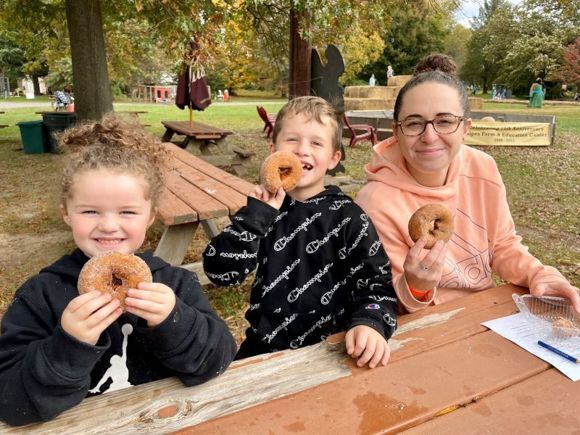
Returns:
(569,71)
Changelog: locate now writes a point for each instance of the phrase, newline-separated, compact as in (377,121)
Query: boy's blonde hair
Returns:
(115,144)
(313,108)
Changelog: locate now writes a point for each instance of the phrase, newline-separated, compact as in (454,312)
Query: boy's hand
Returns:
(366,345)
(152,301)
(272,199)
(89,314)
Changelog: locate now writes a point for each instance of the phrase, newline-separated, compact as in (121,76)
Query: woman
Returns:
(537,94)
(426,162)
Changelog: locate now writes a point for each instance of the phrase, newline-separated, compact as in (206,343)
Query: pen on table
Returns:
(558,351)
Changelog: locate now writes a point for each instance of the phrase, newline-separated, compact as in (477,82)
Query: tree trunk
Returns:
(36,85)
(93,97)
(299,83)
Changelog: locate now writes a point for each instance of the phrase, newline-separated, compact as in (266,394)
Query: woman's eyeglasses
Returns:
(442,124)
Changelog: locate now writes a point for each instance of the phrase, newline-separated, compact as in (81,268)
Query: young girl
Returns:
(56,346)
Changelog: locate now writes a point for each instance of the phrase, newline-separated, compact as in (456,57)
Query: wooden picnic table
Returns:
(447,374)
(196,131)
(195,192)
(204,136)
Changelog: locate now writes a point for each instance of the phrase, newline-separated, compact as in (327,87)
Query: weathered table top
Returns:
(195,130)
(447,374)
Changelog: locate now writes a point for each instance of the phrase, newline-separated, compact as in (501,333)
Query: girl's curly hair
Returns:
(116,144)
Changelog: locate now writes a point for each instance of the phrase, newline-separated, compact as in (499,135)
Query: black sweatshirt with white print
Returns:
(321,269)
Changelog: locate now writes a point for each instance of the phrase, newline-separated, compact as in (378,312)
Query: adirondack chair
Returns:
(269,120)
(369,132)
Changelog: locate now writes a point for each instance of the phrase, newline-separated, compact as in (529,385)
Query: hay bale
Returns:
(488,119)
(364,104)
(398,80)
(352,91)
(475,103)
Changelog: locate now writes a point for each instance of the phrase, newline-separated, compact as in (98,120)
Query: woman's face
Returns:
(429,155)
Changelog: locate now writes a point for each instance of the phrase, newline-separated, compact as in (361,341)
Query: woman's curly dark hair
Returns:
(117,144)
(436,62)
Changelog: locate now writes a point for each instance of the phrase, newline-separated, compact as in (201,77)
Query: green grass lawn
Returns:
(567,116)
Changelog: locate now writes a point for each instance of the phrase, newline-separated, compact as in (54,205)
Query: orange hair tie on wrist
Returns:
(420,295)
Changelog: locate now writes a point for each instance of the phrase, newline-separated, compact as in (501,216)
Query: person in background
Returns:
(390,72)
(537,94)
(62,99)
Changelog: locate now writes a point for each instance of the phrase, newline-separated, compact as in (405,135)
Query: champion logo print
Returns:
(295,294)
(313,246)
(283,241)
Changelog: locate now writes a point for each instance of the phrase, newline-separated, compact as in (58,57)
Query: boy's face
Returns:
(311,142)
(108,211)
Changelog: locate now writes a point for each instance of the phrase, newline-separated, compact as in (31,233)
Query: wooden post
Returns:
(299,80)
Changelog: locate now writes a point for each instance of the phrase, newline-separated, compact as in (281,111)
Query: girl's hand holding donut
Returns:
(151,301)
(423,272)
(88,315)
(272,199)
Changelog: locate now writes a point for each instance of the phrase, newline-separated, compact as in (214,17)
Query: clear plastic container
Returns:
(552,319)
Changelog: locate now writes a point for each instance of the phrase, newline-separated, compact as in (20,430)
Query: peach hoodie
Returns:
(484,240)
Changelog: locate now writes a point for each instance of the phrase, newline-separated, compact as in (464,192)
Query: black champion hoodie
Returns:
(321,269)
(44,371)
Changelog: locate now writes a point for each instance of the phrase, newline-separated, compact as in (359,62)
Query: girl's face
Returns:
(108,211)
(429,155)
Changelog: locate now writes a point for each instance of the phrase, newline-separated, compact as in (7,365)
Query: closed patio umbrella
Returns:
(192,88)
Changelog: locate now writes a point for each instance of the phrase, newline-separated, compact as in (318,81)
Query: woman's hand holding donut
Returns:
(272,199)
(152,301)
(558,288)
(424,272)
(88,315)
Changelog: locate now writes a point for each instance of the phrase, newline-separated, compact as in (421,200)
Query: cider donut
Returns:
(114,273)
(431,222)
(281,168)
(564,328)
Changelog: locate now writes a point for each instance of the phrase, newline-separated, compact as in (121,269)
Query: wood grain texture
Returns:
(390,399)
(163,406)
(547,404)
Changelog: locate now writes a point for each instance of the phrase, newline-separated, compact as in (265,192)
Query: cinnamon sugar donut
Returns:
(281,168)
(431,222)
(114,273)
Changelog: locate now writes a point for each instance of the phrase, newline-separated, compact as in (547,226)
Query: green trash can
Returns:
(33,137)
(55,123)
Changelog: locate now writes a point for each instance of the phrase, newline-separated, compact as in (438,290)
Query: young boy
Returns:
(321,267)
